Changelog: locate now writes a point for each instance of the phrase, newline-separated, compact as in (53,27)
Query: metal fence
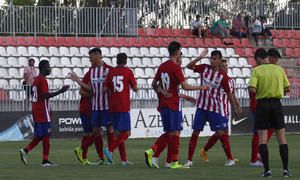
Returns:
(53,20)
(181,13)
(112,21)
(13,98)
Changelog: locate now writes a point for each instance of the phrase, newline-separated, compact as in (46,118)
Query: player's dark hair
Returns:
(121,59)
(261,53)
(273,53)
(198,16)
(224,60)
(95,51)
(173,47)
(216,52)
(43,64)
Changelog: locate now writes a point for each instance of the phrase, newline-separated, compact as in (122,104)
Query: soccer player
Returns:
(41,113)
(160,92)
(213,139)
(269,83)
(210,103)
(169,74)
(118,83)
(100,114)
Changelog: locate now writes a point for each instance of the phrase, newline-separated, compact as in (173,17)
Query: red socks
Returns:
(192,146)
(86,144)
(110,138)
(99,146)
(122,152)
(83,139)
(226,145)
(211,142)
(160,144)
(255,147)
(169,157)
(33,143)
(120,139)
(46,147)
(174,143)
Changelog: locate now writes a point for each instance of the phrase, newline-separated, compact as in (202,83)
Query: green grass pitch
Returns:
(61,153)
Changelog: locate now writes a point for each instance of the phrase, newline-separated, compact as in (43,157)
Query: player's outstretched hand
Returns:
(73,76)
(206,86)
(204,53)
(65,88)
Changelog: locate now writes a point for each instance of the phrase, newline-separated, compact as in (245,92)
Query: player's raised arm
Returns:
(62,90)
(85,86)
(188,87)
(192,64)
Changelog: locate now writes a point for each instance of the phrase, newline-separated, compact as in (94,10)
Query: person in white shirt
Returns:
(260,29)
(198,28)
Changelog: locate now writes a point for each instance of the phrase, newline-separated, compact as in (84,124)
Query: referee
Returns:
(269,83)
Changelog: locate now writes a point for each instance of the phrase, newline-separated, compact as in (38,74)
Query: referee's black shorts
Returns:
(268,114)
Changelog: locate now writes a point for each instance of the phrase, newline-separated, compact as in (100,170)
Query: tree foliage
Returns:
(21,2)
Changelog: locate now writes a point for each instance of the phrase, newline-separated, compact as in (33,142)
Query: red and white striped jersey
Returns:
(97,77)
(227,105)
(212,99)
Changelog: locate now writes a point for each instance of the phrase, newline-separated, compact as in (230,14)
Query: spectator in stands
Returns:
(30,73)
(259,29)
(198,28)
(219,27)
(238,28)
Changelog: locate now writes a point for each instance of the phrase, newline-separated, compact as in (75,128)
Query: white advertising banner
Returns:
(147,123)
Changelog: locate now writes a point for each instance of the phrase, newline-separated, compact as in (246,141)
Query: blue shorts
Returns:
(86,121)
(224,122)
(121,121)
(215,120)
(171,119)
(101,118)
(255,131)
(42,129)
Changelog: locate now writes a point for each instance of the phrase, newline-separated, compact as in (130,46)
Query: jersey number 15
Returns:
(118,84)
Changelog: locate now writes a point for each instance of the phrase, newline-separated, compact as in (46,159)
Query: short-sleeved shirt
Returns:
(223,23)
(40,106)
(170,75)
(269,81)
(253,101)
(97,77)
(31,73)
(119,80)
(226,103)
(85,106)
(237,22)
(197,23)
(212,99)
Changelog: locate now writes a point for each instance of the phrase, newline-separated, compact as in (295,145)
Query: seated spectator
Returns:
(259,29)
(219,27)
(197,27)
(238,28)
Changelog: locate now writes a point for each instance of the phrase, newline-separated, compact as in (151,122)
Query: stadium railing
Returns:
(60,20)
(13,98)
